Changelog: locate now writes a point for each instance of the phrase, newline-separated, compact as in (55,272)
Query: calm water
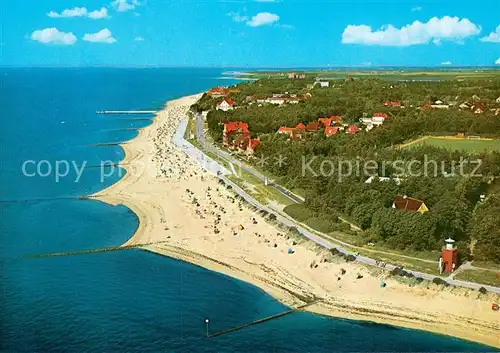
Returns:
(130,300)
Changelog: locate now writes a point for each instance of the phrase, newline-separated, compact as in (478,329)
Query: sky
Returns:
(254,33)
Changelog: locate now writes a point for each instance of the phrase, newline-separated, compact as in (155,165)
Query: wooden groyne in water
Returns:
(260,321)
(91,251)
(126,112)
(107,144)
(42,199)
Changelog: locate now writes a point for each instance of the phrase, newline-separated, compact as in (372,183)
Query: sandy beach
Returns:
(201,222)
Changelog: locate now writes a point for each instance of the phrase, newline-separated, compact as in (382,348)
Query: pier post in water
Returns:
(207,321)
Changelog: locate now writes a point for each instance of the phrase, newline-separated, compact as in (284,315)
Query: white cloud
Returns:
(497,61)
(446,63)
(493,37)
(74,12)
(125,5)
(138,39)
(435,30)
(263,18)
(53,36)
(80,12)
(103,36)
(98,14)
(416,8)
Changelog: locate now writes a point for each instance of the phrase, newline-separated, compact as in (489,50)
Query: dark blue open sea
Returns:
(129,300)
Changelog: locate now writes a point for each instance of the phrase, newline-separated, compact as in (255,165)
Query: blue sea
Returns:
(129,300)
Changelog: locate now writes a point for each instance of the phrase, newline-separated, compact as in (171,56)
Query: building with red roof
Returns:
(330,121)
(409,204)
(218,92)
(293,133)
(225,104)
(233,128)
(352,129)
(252,145)
(331,130)
(285,130)
(312,127)
(237,136)
(300,126)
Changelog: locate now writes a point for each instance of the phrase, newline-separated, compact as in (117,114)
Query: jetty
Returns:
(260,321)
(126,112)
(91,251)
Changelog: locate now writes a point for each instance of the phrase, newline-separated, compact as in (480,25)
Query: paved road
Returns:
(215,168)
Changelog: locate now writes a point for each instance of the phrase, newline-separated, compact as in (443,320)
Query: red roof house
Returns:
(409,204)
(329,121)
(252,145)
(218,92)
(312,127)
(324,121)
(293,133)
(352,129)
(380,115)
(285,130)
(331,130)
(300,126)
(233,127)
(225,104)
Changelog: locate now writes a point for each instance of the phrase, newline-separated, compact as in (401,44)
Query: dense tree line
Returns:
(320,165)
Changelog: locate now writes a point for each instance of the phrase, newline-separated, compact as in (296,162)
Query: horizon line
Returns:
(316,67)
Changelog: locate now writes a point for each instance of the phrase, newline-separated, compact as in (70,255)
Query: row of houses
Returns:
(332,126)
(279,98)
(236,135)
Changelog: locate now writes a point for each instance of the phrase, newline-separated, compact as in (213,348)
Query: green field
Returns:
(470,146)
(479,276)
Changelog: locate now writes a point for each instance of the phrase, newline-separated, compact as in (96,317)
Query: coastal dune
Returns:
(191,217)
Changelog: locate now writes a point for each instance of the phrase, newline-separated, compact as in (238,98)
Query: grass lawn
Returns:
(479,276)
(259,190)
(470,146)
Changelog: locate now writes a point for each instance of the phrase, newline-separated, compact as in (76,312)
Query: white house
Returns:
(374,177)
(322,83)
(464,105)
(280,99)
(366,121)
(377,119)
(225,105)
(440,106)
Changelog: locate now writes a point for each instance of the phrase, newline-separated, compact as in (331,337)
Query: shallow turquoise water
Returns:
(130,300)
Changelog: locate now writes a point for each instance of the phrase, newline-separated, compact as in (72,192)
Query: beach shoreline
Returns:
(208,227)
